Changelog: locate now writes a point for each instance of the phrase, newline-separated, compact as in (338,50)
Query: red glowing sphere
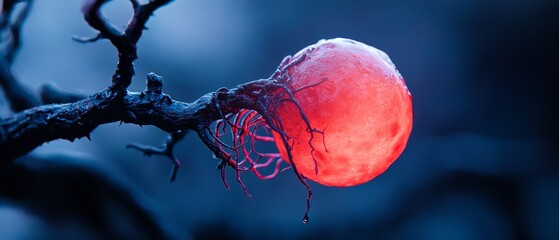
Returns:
(357,97)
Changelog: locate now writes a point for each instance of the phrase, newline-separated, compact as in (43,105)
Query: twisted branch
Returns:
(244,109)
(125,42)
(24,131)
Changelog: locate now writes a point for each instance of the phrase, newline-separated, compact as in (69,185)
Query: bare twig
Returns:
(141,15)
(165,150)
(154,88)
(125,42)
(95,19)
(87,39)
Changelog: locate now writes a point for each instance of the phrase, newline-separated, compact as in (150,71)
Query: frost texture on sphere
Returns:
(362,104)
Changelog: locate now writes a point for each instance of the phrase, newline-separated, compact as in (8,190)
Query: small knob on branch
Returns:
(154,83)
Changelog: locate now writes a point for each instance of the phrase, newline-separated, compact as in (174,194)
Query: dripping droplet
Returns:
(306,219)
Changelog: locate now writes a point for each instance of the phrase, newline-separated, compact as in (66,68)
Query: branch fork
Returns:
(245,115)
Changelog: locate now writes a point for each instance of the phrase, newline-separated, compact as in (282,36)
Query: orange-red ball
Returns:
(360,102)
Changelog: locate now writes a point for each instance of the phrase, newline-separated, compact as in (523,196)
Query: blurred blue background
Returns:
(481,162)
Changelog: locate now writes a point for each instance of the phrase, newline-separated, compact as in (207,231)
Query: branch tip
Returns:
(165,150)
(95,38)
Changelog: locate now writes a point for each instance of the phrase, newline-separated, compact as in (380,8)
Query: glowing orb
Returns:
(357,97)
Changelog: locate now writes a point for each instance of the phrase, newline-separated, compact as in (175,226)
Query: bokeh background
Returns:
(481,162)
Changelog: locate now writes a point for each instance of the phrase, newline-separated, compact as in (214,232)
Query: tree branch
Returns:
(166,150)
(125,43)
(141,16)
(24,131)
(95,19)
(252,106)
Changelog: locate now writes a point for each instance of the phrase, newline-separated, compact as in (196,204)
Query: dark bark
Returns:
(125,43)
(166,150)
(259,99)
(41,124)
(24,131)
